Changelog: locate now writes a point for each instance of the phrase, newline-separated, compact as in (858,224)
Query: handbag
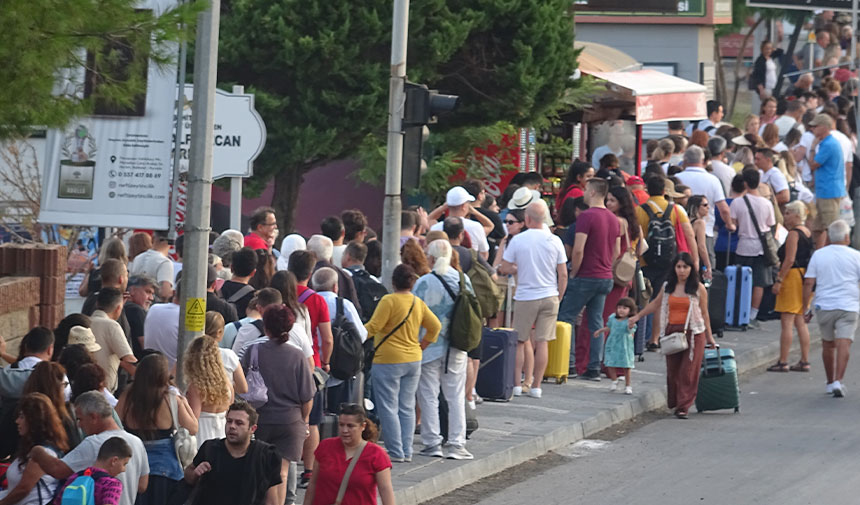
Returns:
(184,442)
(258,393)
(768,243)
(370,349)
(624,268)
(345,482)
(676,342)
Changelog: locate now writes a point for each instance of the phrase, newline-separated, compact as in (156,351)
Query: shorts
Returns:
(827,212)
(539,314)
(288,439)
(762,273)
(836,323)
(475,353)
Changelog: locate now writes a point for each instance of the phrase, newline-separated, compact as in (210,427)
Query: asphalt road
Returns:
(790,444)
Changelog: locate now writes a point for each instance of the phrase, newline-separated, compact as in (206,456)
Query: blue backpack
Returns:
(81,491)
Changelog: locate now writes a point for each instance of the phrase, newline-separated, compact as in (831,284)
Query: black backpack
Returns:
(347,356)
(662,243)
(369,291)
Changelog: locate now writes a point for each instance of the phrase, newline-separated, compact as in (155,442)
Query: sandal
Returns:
(801,366)
(778,367)
(652,347)
(680,414)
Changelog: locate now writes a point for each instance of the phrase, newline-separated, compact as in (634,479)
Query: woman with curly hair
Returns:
(214,329)
(413,255)
(209,393)
(49,378)
(145,410)
(38,424)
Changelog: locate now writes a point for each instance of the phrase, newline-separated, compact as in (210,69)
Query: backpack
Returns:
(369,290)
(347,355)
(486,289)
(464,331)
(661,240)
(81,491)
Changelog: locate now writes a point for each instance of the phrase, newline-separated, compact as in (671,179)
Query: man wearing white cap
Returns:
(457,203)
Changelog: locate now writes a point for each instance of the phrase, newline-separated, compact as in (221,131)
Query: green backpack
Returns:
(464,332)
(486,289)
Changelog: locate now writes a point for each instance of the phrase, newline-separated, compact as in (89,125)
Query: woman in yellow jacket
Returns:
(395,326)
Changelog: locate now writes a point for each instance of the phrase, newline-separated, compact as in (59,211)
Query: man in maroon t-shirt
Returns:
(598,232)
(301,264)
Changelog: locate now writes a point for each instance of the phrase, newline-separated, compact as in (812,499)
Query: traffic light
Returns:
(422,107)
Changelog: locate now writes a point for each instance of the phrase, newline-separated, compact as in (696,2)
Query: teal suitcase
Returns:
(718,382)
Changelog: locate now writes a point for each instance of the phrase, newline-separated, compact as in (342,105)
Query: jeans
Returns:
(394,388)
(588,293)
(453,384)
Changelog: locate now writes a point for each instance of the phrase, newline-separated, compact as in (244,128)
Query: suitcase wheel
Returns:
(640,358)
(737,409)
(698,410)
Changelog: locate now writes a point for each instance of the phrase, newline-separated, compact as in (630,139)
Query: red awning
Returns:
(658,96)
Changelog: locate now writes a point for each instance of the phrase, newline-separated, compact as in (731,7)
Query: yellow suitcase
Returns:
(558,364)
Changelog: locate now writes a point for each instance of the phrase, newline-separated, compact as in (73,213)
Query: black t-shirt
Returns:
(136,315)
(227,310)
(235,481)
(231,287)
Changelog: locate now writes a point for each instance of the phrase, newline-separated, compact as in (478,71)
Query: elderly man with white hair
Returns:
(834,272)
(325,282)
(538,259)
(443,368)
(323,247)
(701,182)
(226,244)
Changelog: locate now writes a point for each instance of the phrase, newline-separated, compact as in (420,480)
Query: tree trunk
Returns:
(739,62)
(720,91)
(288,182)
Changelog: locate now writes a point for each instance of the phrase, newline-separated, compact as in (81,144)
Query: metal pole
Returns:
(236,187)
(177,140)
(394,155)
(193,284)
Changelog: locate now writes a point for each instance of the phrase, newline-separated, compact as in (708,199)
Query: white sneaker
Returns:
(459,452)
(472,405)
(614,386)
(433,451)
(838,390)
(535,392)
(628,390)
(518,390)
(829,389)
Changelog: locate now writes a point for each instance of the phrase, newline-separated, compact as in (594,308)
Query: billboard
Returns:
(113,168)
(803,5)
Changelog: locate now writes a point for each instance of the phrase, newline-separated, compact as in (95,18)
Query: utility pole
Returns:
(394,155)
(195,259)
(236,187)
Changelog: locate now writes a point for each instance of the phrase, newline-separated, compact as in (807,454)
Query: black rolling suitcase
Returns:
(717,294)
(498,359)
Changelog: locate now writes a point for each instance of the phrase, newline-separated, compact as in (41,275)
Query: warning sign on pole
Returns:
(195,314)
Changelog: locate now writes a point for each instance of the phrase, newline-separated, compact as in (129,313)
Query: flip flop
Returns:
(652,347)
(778,367)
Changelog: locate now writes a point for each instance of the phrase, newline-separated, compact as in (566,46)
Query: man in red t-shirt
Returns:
(598,232)
(301,264)
(264,229)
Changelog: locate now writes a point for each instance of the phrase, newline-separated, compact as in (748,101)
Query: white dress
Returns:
(210,426)
(46,484)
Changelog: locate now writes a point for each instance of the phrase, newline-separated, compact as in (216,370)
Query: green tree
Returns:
(46,42)
(320,71)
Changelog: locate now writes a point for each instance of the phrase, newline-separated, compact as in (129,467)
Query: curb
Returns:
(749,362)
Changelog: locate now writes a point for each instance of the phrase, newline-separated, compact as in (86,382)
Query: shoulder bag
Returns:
(674,343)
(624,267)
(345,482)
(258,393)
(184,442)
(768,243)
(370,349)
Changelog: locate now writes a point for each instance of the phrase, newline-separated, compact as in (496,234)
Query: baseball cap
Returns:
(84,336)
(633,180)
(822,119)
(458,196)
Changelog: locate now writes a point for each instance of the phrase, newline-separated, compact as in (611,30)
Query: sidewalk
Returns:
(525,428)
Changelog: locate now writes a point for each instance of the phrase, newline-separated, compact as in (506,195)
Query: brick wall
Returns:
(32,289)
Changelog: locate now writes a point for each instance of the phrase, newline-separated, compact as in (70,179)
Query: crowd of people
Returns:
(624,259)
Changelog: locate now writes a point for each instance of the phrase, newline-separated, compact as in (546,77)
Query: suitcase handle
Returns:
(720,370)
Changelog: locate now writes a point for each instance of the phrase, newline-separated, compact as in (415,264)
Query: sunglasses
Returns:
(510,222)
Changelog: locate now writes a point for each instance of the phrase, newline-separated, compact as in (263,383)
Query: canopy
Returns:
(595,57)
(657,96)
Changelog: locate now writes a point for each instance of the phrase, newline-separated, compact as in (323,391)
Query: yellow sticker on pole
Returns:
(195,314)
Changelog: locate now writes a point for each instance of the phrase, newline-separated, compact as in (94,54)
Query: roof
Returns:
(602,58)
(649,82)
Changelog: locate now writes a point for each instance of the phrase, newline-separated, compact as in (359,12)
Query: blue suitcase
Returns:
(739,296)
(498,359)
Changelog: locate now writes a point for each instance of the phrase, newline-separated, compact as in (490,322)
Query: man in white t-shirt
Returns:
(834,272)
(115,350)
(702,183)
(801,152)
(791,119)
(771,176)
(718,147)
(750,252)
(457,202)
(161,328)
(95,417)
(847,152)
(538,259)
(156,264)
